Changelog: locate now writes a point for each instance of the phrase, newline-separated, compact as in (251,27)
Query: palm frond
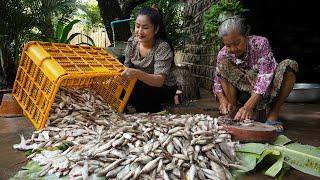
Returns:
(3,70)
(72,36)
(67,29)
(59,30)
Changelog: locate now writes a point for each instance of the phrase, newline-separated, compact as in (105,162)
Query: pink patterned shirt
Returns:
(258,57)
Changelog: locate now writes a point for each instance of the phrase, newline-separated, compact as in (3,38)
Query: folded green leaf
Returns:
(31,171)
(304,158)
(247,160)
(256,148)
(266,153)
(284,170)
(282,140)
(275,168)
(32,165)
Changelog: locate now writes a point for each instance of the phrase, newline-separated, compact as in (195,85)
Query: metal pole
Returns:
(112,27)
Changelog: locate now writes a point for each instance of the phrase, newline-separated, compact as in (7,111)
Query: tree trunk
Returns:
(187,83)
(111,10)
(129,5)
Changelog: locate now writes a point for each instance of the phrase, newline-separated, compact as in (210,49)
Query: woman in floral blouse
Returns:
(248,76)
(149,58)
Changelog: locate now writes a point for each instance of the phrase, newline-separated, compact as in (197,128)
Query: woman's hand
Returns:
(225,107)
(155,80)
(244,113)
(130,73)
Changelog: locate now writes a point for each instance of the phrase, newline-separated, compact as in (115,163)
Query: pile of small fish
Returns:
(103,143)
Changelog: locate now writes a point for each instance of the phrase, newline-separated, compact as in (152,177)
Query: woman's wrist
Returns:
(249,105)
(253,101)
(138,73)
(222,98)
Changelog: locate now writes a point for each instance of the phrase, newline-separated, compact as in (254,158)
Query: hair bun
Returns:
(225,16)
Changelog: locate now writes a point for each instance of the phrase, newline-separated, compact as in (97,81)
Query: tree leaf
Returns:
(275,168)
(66,30)
(256,148)
(282,140)
(304,158)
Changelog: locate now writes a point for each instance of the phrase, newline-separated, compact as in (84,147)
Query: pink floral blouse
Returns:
(258,58)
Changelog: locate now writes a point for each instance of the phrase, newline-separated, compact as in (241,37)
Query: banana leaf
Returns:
(282,140)
(284,170)
(31,171)
(248,160)
(275,168)
(255,148)
(266,153)
(304,158)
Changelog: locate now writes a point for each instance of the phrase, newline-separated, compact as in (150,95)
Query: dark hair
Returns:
(157,20)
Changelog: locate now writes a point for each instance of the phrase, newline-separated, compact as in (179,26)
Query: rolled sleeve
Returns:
(163,59)
(217,87)
(266,68)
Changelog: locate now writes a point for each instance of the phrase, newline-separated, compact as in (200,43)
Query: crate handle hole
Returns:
(122,94)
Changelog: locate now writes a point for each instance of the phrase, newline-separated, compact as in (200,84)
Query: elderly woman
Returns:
(150,60)
(248,77)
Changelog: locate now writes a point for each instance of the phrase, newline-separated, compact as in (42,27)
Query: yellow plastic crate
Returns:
(45,67)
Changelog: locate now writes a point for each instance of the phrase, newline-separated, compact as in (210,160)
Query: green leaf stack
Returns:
(283,153)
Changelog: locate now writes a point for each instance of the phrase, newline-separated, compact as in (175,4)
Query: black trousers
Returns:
(145,98)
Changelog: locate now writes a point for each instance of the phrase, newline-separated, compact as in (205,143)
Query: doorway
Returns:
(293,30)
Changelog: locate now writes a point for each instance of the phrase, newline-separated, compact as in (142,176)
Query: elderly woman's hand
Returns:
(244,113)
(225,107)
(130,73)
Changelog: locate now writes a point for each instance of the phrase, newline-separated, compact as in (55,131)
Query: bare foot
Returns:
(273,116)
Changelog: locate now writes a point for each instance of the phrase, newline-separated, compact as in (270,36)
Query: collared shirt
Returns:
(158,61)
(258,58)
